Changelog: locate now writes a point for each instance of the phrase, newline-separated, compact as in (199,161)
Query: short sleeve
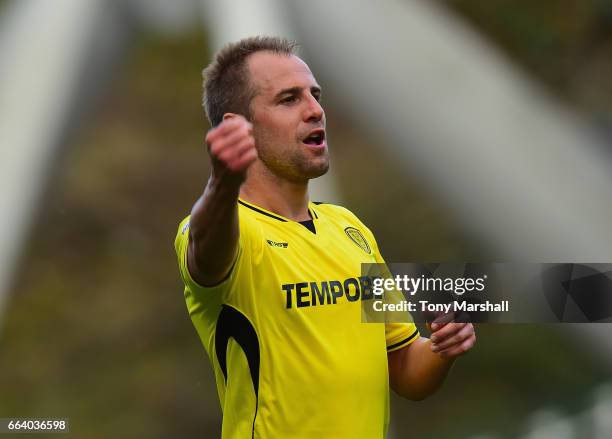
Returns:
(181,244)
(399,335)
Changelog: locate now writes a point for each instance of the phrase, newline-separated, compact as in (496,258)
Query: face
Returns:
(288,120)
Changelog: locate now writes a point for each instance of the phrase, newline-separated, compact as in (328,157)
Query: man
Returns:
(273,282)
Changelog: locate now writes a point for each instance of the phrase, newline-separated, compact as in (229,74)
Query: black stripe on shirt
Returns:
(406,340)
(231,323)
(262,212)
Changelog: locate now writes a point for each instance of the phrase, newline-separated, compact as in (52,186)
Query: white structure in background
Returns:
(593,423)
(42,51)
(521,172)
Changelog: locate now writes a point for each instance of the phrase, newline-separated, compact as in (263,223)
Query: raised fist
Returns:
(232,147)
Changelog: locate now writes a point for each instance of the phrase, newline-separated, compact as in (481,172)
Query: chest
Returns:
(295,253)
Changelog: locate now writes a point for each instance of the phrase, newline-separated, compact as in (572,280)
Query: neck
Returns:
(278,195)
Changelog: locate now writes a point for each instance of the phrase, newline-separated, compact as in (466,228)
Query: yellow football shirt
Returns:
(283,331)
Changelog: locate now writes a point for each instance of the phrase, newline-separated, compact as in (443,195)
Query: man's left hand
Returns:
(450,339)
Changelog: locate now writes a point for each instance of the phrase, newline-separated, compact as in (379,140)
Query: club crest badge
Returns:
(358,238)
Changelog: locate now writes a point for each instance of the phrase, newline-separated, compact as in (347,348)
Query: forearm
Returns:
(213,236)
(416,372)
(214,231)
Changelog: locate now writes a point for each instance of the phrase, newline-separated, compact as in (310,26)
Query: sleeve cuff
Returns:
(403,342)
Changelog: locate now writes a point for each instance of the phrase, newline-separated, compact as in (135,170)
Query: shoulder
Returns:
(340,212)
(334,209)
(182,232)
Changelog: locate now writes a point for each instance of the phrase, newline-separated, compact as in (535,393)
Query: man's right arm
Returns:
(214,231)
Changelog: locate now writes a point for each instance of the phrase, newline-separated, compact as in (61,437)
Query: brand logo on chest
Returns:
(277,244)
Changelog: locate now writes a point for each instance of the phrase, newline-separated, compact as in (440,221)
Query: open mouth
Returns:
(315,138)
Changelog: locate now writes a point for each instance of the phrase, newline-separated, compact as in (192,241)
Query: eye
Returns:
(288,99)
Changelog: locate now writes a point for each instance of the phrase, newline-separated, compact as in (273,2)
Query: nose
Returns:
(314,112)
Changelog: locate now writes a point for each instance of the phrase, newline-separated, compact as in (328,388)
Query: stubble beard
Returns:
(293,165)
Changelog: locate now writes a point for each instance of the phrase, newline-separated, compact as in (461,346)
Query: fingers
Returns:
(227,127)
(441,320)
(236,149)
(460,349)
(462,332)
(228,133)
(232,145)
(442,327)
(243,161)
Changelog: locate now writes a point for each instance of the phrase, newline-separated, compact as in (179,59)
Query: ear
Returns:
(228,116)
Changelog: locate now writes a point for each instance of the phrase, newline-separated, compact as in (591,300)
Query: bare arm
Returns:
(419,369)
(214,232)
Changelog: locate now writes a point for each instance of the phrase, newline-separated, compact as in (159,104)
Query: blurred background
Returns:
(461,130)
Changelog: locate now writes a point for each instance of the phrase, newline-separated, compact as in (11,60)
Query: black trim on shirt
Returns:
(231,323)
(309,224)
(262,212)
(406,340)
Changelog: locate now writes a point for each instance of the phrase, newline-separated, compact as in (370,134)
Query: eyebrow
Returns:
(296,90)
